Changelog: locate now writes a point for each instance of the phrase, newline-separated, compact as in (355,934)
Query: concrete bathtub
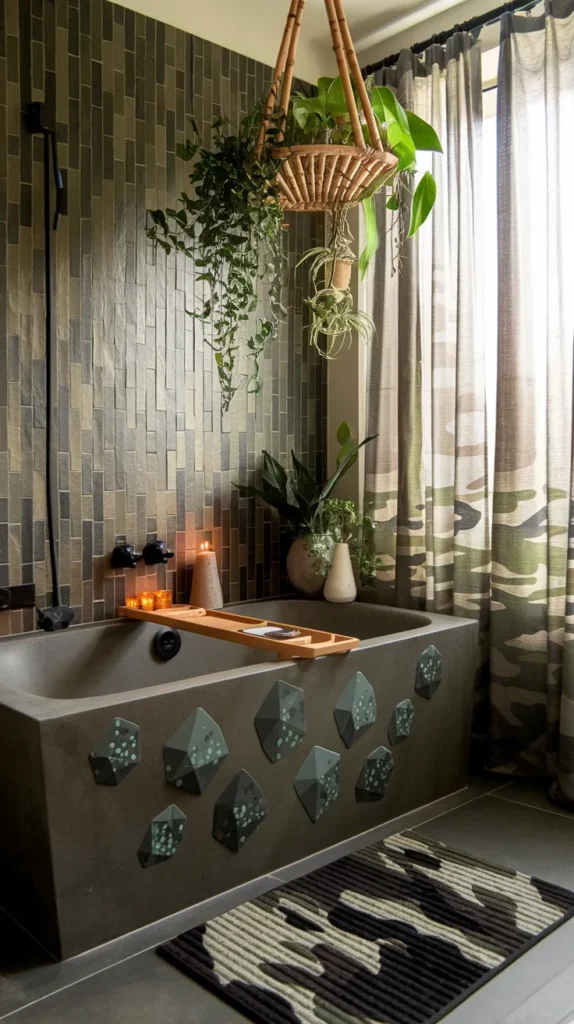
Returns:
(71,866)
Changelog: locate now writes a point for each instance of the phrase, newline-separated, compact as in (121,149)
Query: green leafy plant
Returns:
(341,521)
(298,497)
(230,224)
(325,118)
(403,132)
(333,316)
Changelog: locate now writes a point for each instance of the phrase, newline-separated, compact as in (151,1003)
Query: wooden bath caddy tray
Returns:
(313,643)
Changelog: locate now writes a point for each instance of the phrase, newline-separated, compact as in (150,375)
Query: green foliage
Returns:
(230,224)
(403,132)
(423,202)
(298,499)
(340,521)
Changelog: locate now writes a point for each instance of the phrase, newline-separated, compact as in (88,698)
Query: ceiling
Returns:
(255,27)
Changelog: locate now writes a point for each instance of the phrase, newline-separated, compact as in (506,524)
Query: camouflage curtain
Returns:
(532,657)
(426,474)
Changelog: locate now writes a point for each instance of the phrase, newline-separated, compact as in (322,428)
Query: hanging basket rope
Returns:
(319,176)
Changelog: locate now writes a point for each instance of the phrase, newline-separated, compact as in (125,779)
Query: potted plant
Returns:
(340,522)
(325,117)
(299,499)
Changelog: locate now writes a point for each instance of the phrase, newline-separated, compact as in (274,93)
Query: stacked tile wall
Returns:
(143,448)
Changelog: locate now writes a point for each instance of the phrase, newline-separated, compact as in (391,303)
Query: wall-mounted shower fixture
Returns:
(156,552)
(125,556)
(41,120)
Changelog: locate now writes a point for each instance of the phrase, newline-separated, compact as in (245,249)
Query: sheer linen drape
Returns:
(532,618)
(426,475)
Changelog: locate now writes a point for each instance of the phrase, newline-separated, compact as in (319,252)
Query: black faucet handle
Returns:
(125,556)
(156,552)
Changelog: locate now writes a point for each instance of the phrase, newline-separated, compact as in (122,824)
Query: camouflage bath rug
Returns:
(397,933)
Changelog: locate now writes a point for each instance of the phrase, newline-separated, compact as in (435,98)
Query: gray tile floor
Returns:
(125,982)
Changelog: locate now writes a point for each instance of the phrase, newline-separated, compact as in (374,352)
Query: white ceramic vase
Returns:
(340,586)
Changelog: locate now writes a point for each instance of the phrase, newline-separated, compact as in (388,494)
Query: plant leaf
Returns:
(423,133)
(371,235)
(342,469)
(423,202)
(304,487)
(344,433)
(393,202)
(336,101)
(388,109)
(274,499)
(273,475)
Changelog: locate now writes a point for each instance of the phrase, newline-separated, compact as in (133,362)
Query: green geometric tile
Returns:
(317,782)
(429,673)
(280,721)
(117,753)
(375,775)
(356,709)
(401,722)
(162,838)
(195,753)
(239,812)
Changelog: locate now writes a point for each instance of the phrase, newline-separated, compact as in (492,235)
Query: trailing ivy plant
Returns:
(231,225)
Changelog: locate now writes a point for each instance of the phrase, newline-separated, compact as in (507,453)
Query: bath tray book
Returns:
(311,643)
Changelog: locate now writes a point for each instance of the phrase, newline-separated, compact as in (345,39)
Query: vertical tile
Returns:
(141,441)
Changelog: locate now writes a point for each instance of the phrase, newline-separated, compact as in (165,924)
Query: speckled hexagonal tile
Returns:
(375,774)
(239,811)
(429,672)
(280,721)
(163,837)
(194,754)
(401,722)
(117,753)
(356,709)
(317,782)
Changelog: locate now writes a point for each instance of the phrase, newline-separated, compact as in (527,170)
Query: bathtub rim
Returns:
(42,708)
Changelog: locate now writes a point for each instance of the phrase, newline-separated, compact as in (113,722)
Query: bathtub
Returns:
(71,869)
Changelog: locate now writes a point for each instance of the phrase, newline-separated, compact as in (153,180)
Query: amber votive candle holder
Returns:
(163,599)
(132,601)
(147,601)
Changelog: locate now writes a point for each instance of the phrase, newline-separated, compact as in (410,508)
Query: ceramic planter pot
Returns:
(342,274)
(302,569)
(340,586)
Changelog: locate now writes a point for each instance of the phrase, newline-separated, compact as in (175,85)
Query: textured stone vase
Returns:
(340,586)
(302,570)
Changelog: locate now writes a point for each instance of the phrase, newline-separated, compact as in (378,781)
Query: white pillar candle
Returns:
(205,584)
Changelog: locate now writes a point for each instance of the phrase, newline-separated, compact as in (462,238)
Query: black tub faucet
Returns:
(156,552)
(125,556)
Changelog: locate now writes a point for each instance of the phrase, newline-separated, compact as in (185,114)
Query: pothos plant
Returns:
(231,225)
(325,118)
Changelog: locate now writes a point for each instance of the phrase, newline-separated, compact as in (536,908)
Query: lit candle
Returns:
(132,601)
(147,601)
(163,599)
(205,585)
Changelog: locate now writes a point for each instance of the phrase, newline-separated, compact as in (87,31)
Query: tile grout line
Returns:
(532,807)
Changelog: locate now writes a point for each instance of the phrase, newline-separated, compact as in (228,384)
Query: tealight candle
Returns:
(163,599)
(147,601)
(132,601)
(205,585)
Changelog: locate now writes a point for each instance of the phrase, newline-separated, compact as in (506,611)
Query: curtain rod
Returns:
(490,18)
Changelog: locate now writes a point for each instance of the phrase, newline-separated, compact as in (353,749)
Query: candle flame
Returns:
(205,546)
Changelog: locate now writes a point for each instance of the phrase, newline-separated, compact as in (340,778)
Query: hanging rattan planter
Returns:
(319,176)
